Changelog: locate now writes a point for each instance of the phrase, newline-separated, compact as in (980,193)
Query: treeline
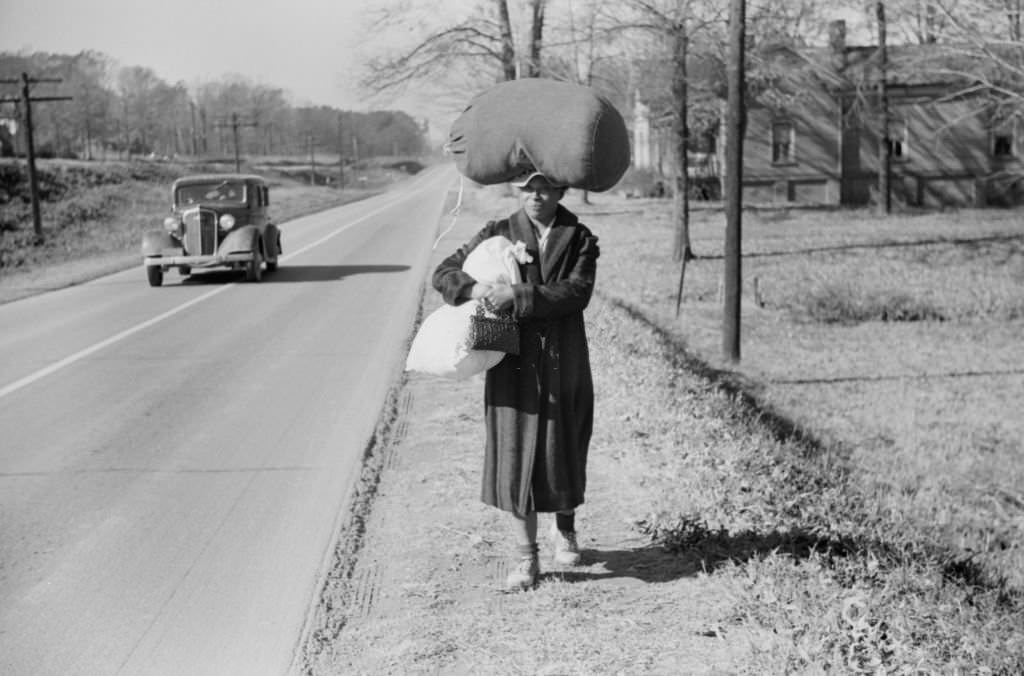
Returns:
(123,111)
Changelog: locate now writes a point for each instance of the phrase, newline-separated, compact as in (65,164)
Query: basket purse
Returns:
(492,330)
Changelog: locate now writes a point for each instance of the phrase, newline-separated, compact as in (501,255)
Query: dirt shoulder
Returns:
(424,593)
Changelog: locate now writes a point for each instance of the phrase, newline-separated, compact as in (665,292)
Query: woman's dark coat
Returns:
(539,405)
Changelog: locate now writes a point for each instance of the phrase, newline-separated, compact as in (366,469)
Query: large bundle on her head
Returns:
(568,132)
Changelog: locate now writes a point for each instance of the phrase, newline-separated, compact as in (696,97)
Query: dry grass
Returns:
(912,477)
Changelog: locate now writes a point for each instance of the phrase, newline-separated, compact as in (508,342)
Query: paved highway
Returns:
(174,461)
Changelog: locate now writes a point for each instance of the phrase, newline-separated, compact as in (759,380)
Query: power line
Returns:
(234,125)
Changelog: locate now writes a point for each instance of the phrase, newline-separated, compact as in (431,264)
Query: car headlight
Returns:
(171,224)
(227,221)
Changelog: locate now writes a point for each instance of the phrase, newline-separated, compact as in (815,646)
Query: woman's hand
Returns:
(500,295)
(479,291)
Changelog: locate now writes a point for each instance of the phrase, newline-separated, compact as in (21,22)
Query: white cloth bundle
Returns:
(441,346)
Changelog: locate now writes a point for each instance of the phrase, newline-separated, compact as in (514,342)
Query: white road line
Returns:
(82,354)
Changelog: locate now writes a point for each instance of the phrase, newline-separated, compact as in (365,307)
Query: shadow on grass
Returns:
(736,385)
(655,563)
(819,463)
(294,273)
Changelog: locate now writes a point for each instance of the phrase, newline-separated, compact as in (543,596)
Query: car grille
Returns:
(200,232)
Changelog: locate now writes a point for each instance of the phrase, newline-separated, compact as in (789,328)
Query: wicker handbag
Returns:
(491,330)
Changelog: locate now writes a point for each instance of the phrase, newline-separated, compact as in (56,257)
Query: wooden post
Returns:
(234,125)
(735,128)
(234,135)
(341,153)
(30,148)
(33,181)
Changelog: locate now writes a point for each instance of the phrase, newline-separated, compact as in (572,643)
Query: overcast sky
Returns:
(306,47)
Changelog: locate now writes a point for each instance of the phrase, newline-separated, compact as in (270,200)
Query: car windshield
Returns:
(214,191)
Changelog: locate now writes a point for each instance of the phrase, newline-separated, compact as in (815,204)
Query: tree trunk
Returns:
(884,145)
(508,50)
(536,37)
(681,195)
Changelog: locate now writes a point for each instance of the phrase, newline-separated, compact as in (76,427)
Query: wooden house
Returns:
(813,130)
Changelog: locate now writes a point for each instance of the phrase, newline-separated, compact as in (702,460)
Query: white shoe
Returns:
(567,552)
(524,574)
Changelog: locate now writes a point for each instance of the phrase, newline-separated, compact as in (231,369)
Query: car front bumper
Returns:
(199,261)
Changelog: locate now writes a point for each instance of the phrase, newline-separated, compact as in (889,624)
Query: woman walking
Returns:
(539,404)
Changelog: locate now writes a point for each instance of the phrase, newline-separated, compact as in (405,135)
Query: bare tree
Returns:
(674,23)
(481,42)
(976,48)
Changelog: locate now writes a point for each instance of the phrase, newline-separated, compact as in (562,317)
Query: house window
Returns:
(783,143)
(1002,144)
(897,142)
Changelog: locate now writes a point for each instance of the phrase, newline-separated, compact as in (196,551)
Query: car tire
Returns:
(272,262)
(155,275)
(254,270)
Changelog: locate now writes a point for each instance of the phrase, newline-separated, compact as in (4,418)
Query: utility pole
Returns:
(734,131)
(27,99)
(311,143)
(235,124)
(195,143)
(341,153)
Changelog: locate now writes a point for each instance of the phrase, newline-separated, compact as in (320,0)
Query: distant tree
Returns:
(93,101)
(140,91)
(133,110)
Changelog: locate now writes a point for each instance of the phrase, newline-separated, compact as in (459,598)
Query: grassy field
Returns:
(890,354)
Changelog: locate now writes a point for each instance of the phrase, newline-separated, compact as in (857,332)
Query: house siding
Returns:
(947,160)
(813,174)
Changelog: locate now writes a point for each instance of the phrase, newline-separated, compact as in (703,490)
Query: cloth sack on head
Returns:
(441,345)
(568,132)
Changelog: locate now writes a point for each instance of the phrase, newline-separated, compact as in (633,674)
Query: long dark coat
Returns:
(539,405)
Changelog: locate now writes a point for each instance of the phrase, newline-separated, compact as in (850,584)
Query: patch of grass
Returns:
(880,526)
(845,303)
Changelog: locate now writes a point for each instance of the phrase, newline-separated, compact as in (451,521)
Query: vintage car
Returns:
(218,220)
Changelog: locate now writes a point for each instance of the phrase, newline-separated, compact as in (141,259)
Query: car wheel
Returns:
(254,271)
(155,275)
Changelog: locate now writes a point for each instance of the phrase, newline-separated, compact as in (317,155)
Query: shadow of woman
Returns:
(654,563)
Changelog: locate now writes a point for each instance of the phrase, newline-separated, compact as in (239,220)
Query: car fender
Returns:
(155,242)
(245,238)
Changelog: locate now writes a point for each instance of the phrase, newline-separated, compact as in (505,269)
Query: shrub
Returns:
(844,303)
